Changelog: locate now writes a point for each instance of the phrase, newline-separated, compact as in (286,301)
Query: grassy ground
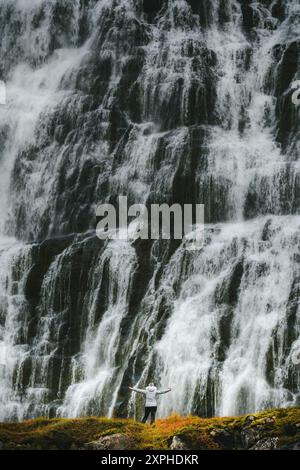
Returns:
(200,433)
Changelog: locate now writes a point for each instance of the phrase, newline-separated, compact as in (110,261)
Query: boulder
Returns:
(178,444)
(223,437)
(249,437)
(114,442)
(249,419)
(291,446)
(268,443)
(270,420)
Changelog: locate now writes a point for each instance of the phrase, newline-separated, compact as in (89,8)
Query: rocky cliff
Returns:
(186,101)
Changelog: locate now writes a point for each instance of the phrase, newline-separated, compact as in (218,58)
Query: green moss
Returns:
(62,433)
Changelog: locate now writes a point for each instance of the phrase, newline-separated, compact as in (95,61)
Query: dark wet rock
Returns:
(278,9)
(286,110)
(288,67)
(249,436)
(224,437)
(152,7)
(44,255)
(291,446)
(248,15)
(229,291)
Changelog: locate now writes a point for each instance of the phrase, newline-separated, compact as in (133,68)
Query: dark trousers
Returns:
(149,410)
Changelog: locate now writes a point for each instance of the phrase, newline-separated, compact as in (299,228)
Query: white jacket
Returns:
(150,394)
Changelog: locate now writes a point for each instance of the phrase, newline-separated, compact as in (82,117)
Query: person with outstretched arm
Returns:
(150,394)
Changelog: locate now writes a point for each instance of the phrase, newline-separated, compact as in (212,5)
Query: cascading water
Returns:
(165,101)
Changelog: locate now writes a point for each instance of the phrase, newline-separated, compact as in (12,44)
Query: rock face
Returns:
(252,434)
(178,444)
(292,446)
(248,437)
(113,442)
(183,101)
(268,443)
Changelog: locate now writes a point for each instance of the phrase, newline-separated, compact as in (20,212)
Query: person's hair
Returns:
(151,384)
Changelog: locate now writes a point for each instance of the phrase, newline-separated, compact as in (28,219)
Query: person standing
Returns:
(150,394)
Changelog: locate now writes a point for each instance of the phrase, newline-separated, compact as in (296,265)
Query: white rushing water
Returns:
(98,359)
(258,325)
(30,91)
(15,262)
(188,350)
(81,320)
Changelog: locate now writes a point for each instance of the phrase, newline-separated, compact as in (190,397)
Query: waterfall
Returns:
(172,101)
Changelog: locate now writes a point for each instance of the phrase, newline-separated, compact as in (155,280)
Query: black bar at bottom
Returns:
(135,459)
